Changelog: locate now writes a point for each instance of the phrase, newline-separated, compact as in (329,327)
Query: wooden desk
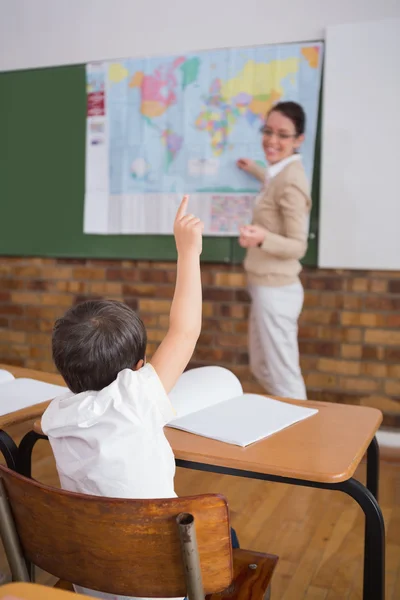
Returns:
(33,591)
(323,451)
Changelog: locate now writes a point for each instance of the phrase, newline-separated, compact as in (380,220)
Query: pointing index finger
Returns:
(182,208)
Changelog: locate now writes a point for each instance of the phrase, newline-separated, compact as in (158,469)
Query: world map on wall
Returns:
(179,124)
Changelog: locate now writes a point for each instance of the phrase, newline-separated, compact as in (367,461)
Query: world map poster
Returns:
(161,127)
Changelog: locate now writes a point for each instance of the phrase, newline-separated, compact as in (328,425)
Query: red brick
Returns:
(372,352)
(122,275)
(323,317)
(382,336)
(220,325)
(363,319)
(56,300)
(378,302)
(206,339)
(352,302)
(374,369)
(38,285)
(12,284)
(234,311)
(323,283)
(392,354)
(157,306)
(394,286)
(233,341)
(153,276)
(358,384)
(241,327)
(89,273)
(26,298)
(214,356)
(312,299)
(319,348)
(237,280)
(343,367)
(320,380)
(309,332)
(25,324)
(140,289)
(351,351)
(218,294)
(392,388)
(11,309)
(393,321)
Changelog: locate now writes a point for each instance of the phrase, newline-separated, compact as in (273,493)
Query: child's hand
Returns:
(188,230)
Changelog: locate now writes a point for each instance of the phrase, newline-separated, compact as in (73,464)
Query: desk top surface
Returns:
(33,591)
(325,448)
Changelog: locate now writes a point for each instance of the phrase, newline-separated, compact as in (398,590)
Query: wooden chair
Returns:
(154,548)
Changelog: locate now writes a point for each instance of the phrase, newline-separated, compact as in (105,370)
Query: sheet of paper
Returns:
(20,393)
(5,376)
(243,420)
(202,387)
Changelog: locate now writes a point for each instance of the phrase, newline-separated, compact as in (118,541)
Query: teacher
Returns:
(276,241)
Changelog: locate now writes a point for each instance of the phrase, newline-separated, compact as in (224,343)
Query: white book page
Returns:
(202,387)
(243,420)
(5,376)
(20,393)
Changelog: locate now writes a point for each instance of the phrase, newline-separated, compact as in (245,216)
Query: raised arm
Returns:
(252,168)
(176,349)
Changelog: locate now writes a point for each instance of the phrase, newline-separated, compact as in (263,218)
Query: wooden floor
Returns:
(317,534)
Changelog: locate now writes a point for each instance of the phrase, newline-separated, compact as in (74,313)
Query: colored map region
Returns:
(179,124)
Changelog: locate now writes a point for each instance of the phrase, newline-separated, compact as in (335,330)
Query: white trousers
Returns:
(273,344)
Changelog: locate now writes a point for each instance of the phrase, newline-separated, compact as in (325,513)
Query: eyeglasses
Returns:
(281,136)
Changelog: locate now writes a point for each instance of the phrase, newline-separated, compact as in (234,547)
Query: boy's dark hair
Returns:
(294,112)
(94,341)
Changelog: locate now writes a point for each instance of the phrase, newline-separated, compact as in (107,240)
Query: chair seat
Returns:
(252,574)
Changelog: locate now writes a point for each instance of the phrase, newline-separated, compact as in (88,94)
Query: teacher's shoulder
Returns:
(294,175)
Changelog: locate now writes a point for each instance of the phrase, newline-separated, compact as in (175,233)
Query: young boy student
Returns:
(107,431)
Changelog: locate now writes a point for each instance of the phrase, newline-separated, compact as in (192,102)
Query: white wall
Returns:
(360,194)
(37,33)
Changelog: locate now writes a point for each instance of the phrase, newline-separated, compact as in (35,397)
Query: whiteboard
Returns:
(360,165)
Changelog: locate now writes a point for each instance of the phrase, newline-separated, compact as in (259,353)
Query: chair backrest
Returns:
(119,546)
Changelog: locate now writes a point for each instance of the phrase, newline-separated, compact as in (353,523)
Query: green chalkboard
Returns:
(42,158)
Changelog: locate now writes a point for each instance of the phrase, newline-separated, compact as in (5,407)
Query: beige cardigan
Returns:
(283,209)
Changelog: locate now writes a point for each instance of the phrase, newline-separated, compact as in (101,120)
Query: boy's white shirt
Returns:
(112,443)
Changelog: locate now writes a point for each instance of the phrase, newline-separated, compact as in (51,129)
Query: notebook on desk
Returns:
(209,401)
(16,394)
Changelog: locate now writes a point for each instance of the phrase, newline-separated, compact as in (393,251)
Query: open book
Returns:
(22,392)
(209,401)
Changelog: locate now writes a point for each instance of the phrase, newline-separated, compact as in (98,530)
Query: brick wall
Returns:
(349,329)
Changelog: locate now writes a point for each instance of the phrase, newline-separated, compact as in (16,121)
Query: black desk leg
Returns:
(9,450)
(373,467)
(374,543)
(24,460)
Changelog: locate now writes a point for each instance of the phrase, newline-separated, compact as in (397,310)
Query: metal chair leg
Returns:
(190,556)
(10,539)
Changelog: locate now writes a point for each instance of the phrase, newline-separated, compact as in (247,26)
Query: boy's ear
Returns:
(139,365)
